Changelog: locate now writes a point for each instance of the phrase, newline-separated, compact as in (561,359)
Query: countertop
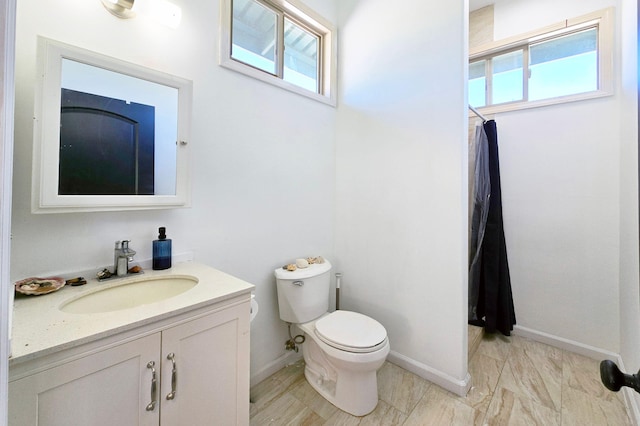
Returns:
(40,327)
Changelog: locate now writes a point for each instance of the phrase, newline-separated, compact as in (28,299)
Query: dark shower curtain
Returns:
(490,298)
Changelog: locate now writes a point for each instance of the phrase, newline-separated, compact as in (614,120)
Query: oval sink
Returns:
(130,294)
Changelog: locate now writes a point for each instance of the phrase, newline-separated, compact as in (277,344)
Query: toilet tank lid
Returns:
(302,273)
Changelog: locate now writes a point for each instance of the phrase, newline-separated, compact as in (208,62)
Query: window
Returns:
(281,43)
(564,65)
(569,61)
(254,35)
(506,76)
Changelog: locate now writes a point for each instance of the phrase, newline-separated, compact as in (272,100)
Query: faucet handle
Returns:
(127,251)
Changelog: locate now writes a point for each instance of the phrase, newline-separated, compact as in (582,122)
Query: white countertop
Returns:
(40,327)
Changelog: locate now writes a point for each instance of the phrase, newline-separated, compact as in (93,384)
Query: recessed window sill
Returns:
(516,106)
(275,81)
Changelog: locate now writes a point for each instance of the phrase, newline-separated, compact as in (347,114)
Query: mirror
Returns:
(109,135)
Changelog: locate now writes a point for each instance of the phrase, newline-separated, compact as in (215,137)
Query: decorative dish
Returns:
(37,286)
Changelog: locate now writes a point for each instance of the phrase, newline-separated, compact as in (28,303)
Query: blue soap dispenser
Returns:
(162,250)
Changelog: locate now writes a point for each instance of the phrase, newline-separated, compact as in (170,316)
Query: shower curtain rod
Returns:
(476,112)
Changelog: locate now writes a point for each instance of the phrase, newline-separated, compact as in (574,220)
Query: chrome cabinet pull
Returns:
(154,386)
(298,283)
(174,376)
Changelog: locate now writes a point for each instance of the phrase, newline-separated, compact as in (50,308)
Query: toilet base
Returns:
(350,387)
(358,398)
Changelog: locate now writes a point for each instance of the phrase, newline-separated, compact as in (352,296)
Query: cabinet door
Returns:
(211,356)
(112,387)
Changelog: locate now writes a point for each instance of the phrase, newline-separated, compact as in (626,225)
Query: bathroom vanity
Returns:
(183,359)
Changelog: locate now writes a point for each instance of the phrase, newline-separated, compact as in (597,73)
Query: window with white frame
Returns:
(565,62)
(282,43)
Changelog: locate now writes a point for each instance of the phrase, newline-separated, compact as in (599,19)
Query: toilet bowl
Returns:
(342,367)
(342,350)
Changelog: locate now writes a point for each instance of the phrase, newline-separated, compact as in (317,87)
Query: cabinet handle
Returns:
(154,386)
(174,376)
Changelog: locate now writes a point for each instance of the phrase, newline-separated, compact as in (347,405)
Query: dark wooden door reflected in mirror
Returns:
(106,146)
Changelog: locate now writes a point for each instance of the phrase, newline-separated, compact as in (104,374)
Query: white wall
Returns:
(7,48)
(520,16)
(262,161)
(629,280)
(401,238)
(560,169)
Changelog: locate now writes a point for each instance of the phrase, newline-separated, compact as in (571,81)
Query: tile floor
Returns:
(516,381)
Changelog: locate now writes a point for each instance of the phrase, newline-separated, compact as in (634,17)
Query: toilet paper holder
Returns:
(254,308)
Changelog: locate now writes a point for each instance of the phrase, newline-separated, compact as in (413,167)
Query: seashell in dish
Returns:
(36,286)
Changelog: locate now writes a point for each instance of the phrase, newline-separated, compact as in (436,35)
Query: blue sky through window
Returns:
(560,66)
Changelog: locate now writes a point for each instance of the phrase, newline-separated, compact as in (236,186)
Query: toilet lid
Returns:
(350,331)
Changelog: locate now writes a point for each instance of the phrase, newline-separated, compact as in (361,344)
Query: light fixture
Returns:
(161,11)
(120,8)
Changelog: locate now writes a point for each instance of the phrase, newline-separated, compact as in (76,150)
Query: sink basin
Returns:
(130,294)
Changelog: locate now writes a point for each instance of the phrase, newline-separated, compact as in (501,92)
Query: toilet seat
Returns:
(351,332)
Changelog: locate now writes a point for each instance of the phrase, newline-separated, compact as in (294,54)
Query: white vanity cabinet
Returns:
(213,386)
(201,364)
(106,388)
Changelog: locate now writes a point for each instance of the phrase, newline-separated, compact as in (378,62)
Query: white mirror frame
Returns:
(45,198)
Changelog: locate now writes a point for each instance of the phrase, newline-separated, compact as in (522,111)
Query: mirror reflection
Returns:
(108,135)
(117,133)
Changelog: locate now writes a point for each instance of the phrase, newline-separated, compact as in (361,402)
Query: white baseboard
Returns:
(274,366)
(562,343)
(589,351)
(459,387)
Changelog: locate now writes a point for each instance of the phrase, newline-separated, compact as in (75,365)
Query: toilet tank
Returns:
(303,294)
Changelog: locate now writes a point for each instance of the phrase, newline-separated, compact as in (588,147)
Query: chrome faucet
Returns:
(122,256)
(116,253)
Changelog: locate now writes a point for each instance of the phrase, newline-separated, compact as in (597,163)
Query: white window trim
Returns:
(604,18)
(328,51)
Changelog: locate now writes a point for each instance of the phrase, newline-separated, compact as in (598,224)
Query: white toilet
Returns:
(342,350)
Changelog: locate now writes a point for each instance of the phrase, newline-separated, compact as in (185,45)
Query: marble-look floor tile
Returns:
(515,381)
(275,385)
(478,418)
(400,388)
(485,373)
(312,399)
(384,414)
(537,347)
(579,408)
(264,393)
(291,373)
(507,408)
(534,375)
(437,408)
(340,418)
(583,374)
(495,345)
(287,410)
(474,337)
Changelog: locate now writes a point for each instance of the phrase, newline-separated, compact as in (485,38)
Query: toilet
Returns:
(342,350)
